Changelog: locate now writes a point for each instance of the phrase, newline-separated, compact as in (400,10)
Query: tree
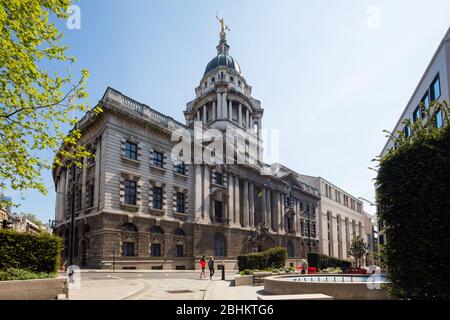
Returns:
(358,249)
(35,104)
(413,195)
(34,219)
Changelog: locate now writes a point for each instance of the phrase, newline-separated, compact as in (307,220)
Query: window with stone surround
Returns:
(131,149)
(128,249)
(156,241)
(130,190)
(180,168)
(180,238)
(157,197)
(158,160)
(181,202)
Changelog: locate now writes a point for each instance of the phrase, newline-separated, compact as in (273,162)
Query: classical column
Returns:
(219,106)
(231,199)
(252,204)
(269,210)
(206,195)
(237,203)
(276,207)
(198,115)
(240,114)
(204,114)
(263,206)
(214,111)
(230,109)
(245,205)
(247,119)
(224,106)
(198,193)
(251,125)
(283,229)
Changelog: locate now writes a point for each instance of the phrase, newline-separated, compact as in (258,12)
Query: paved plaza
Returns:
(162,285)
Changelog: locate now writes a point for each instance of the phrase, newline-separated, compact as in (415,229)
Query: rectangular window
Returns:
(426,100)
(217,178)
(157,198)
(156,250)
(180,267)
(158,159)
(417,114)
(130,192)
(181,168)
(131,150)
(407,131)
(179,252)
(435,89)
(91,195)
(128,249)
(180,202)
(439,119)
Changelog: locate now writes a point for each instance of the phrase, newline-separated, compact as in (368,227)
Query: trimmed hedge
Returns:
(321,262)
(272,258)
(19,274)
(36,253)
(413,195)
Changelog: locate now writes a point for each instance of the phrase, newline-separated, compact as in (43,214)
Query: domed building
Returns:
(141,205)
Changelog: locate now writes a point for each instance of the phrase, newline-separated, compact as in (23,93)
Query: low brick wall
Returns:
(38,289)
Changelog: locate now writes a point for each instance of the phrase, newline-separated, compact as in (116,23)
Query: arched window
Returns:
(179,232)
(290,249)
(129,227)
(220,245)
(156,230)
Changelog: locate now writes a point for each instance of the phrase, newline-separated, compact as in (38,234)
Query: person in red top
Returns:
(203,266)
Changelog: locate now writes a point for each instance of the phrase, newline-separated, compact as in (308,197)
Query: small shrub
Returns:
(20,274)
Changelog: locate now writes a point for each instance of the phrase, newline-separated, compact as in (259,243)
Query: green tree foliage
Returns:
(358,249)
(34,103)
(413,193)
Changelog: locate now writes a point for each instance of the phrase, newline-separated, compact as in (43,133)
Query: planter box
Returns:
(38,289)
(243,280)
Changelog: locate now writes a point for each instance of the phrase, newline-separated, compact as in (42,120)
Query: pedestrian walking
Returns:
(203,266)
(211,267)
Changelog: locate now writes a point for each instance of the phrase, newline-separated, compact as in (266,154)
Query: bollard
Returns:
(223,272)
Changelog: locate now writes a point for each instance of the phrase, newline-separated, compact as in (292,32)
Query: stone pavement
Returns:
(222,290)
(112,287)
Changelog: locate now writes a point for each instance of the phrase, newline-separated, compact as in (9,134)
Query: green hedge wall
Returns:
(321,261)
(414,201)
(37,253)
(272,258)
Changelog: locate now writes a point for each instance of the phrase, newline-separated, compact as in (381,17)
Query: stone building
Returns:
(138,207)
(341,218)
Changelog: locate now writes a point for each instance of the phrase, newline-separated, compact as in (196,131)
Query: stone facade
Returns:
(137,207)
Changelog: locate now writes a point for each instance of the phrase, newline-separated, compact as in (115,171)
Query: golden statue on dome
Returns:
(223,26)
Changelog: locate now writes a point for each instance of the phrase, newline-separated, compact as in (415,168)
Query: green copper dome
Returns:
(223,59)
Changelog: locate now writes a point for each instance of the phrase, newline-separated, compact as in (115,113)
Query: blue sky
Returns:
(327,79)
